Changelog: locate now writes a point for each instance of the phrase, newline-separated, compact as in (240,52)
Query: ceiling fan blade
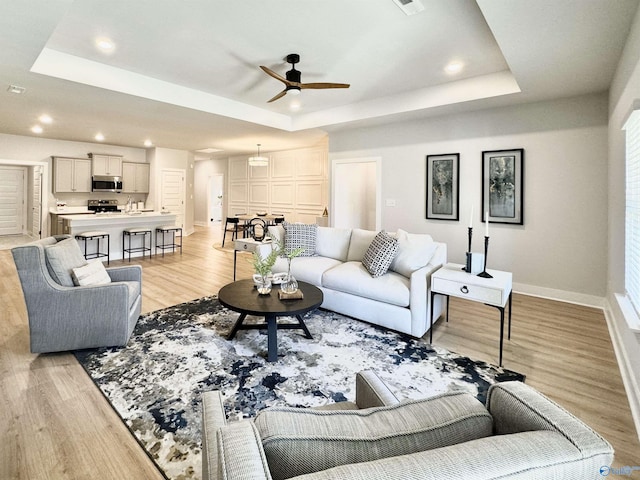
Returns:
(324,85)
(280,95)
(275,75)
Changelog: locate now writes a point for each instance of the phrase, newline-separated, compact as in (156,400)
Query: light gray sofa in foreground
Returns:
(398,300)
(520,434)
(67,317)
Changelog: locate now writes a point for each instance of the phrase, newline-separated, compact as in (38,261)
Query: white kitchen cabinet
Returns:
(71,175)
(107,165)
(135,177)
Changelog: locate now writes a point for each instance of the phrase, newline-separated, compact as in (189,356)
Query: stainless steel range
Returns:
(102,206)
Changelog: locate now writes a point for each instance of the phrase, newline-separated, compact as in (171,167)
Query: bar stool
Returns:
(94,235)
(128,233)
(173,230)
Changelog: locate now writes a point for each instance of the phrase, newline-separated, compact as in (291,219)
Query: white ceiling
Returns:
(186,74)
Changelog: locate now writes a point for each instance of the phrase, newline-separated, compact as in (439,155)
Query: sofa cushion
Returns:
(380,254)
(93,273)
(414,252)
(360,241)
(300,235)
(276,232)
(333,242)
(62,258)
(353,278)
(307,269)
(298,440)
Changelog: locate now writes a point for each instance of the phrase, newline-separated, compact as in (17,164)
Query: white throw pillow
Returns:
(92,273)
(61,258)
(360,241)
(414,252)
(380,254)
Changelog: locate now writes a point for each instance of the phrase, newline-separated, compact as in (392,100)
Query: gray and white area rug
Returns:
(155,383)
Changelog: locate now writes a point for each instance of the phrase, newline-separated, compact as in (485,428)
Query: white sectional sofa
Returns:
(398,300)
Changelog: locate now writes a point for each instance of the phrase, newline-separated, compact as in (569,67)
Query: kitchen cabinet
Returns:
(110,165)
(135,177)
(71,175)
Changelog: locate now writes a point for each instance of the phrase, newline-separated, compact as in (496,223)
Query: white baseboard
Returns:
(626,368)
(560,295)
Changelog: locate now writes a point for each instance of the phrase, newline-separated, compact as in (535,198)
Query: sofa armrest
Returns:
(213,418)
(240,453)
(127,273)
(516,407)
(371,391)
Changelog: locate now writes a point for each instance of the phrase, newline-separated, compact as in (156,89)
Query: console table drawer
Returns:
(492,296)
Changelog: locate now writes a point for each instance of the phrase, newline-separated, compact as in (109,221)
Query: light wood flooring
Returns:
(55,424)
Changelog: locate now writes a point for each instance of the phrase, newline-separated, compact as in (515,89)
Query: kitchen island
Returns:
(114,224)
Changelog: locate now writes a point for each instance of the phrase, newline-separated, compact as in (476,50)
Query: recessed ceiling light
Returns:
(16,89)
(44,118)
(99,137)
(454,67)
(148,143)
(36,129)
(295,105)
(105,44)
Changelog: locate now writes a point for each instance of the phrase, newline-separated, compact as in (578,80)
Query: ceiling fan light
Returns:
(293,91)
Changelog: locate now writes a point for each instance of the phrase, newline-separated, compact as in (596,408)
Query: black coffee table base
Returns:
(272,327)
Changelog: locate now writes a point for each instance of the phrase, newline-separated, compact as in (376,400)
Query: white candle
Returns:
(471,218)
(486,226)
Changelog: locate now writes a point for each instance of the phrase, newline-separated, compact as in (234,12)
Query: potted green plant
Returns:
(262,267)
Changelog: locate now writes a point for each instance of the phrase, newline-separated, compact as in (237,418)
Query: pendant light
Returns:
(258,161)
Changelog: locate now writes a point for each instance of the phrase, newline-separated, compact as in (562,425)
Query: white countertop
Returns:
(118,219)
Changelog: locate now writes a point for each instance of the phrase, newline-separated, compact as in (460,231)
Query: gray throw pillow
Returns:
(62,258)
(300,235)
(380,254)
(298,441)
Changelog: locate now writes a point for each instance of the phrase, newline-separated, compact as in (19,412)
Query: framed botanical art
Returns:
(502,186)
(443,183)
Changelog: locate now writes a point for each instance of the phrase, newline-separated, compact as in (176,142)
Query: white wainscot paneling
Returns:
(259,172)
(282,195)
(306,217)
(238,193)
(259,194)
(283,165)
(237,169)
(312,164)
(310,194)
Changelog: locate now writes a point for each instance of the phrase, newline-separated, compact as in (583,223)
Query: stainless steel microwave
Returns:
(101,183)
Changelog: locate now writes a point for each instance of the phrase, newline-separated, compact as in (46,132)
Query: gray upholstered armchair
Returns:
(519,434)
(66,317)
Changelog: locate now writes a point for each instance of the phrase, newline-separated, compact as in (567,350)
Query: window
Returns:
(632,211)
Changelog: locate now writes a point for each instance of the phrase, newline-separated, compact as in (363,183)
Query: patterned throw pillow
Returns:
(380,254)
(300,235)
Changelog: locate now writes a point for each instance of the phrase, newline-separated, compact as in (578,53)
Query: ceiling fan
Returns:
(292,82)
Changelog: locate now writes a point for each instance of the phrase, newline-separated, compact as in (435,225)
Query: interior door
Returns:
(355,194)
(12,200)
(172,194)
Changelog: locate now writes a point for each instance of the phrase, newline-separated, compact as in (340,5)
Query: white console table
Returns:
(245,245)
(451,280)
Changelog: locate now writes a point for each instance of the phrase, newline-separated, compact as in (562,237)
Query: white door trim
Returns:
(44,209)
(378,163)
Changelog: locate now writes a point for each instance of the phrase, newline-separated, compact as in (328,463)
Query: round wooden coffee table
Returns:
(242,297)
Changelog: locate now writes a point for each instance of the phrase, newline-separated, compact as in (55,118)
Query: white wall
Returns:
(560,251)
(625,93)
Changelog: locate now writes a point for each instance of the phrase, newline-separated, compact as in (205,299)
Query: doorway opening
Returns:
(215,199)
